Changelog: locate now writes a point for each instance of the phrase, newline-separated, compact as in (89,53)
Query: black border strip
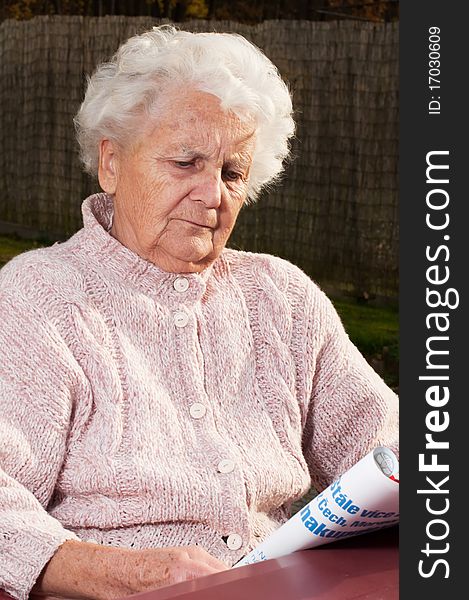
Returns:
(433,349)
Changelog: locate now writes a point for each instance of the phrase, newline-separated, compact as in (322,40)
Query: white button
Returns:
(225,466)
(197,410)
(181,284)
(234,541)
(181,318)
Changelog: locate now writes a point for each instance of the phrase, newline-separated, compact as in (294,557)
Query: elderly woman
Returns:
(164,400)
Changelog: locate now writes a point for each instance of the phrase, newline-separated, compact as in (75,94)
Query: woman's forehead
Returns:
(197,117)
(203,139)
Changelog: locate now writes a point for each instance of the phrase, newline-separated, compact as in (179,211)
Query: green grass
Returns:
(371,328)
(374,330)
(11,246)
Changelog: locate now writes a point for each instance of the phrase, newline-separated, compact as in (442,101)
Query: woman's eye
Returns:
(231,175)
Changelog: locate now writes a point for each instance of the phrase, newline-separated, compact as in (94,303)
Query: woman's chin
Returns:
(191,260)
(196,249)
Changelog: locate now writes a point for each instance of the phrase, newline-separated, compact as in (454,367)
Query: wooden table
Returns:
(363,568)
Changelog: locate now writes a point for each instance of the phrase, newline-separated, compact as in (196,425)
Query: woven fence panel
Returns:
(336,212)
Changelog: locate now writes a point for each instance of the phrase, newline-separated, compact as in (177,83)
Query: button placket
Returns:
(225,466)
(234,541)
(197,410)
(181,284)
(181,319)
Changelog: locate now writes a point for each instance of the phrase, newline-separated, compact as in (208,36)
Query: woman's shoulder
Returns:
(40,273)
(262,275)
(259,266)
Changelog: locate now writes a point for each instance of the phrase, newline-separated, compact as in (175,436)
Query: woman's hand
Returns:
(91,571)
(148,569)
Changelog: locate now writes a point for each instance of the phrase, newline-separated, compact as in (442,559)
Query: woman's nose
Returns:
(207,188)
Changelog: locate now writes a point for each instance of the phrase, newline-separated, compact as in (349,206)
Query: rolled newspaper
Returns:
(363,499)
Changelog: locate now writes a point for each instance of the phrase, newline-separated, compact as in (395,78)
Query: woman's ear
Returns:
(107,174)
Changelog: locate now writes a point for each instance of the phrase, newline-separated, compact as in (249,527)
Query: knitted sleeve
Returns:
(37,378)
(351,409)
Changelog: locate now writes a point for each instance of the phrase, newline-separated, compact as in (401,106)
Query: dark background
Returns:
(243,11)
(419,134)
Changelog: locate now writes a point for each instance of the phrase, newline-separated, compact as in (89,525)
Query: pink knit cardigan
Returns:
(141,408)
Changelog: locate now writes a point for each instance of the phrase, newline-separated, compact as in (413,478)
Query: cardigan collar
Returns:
(111,256)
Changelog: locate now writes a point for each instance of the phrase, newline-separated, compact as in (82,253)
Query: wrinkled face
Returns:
(178,192)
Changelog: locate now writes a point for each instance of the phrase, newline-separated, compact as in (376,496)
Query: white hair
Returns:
(125,89)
